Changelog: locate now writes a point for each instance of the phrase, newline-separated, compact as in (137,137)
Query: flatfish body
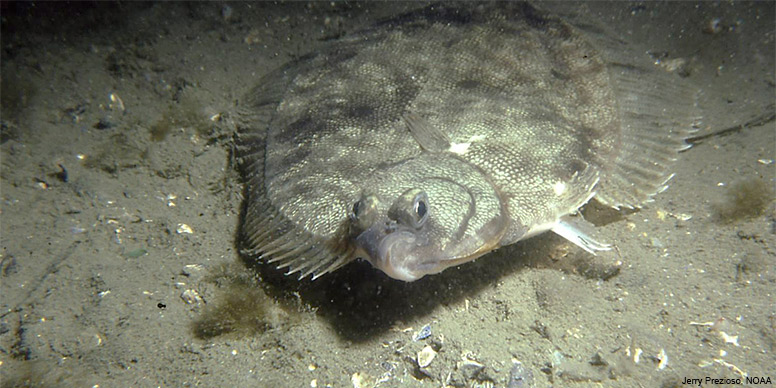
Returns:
(433,138)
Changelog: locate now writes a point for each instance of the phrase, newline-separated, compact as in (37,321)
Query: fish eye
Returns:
(364,212)
(411,208)
(420,208)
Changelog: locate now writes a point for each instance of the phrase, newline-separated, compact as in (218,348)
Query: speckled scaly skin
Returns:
(433,138)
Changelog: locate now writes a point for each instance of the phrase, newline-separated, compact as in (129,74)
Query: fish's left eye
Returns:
(364,212)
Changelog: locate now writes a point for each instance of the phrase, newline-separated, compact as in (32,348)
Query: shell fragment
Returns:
(425,356)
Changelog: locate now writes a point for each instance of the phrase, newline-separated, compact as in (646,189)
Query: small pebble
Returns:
(134,254)
(191,269)
(470,368)
(103,123)
(655,242)
(191,296)
(713,26)
(519,376)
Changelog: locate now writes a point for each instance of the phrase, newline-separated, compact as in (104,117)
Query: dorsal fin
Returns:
(429,137)
(657,112)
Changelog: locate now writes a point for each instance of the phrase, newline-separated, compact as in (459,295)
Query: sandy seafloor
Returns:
(120,208)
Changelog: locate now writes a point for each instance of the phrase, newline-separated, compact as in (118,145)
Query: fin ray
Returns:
(580,233)
(429,137)
(657,112)
(265,232)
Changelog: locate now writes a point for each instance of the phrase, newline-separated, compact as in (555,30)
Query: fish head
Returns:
(440,222)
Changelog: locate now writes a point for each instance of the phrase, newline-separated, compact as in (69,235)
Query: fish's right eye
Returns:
(410,208)
(421,208)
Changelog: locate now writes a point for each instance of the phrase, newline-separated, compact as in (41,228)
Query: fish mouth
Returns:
(397,253)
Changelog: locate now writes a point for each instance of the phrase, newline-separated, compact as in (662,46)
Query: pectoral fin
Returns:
(429,137)
(579,232)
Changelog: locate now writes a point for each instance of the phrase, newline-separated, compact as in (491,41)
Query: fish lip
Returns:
(392,251)
(395,252)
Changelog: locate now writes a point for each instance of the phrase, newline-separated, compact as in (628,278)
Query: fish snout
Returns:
(395,251)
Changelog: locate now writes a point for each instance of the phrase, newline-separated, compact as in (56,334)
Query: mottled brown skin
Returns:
(431,139)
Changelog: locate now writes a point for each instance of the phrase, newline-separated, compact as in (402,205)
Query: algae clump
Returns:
(745,199)
(188,111)
(242,308)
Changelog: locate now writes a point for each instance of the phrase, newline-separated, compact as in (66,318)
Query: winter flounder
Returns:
(435,137)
